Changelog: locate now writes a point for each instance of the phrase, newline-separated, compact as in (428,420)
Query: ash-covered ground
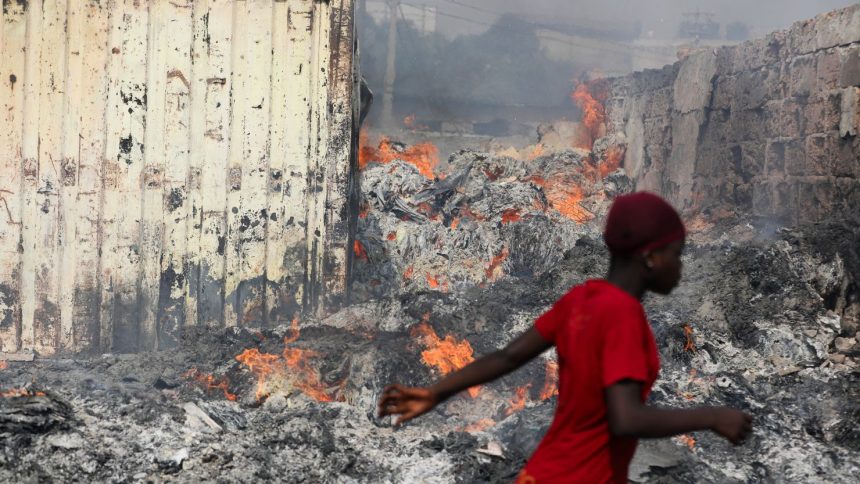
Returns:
(448,269)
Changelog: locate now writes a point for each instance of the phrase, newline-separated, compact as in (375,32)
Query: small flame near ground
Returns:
(293,366)
(20,392)
(690,345)
(3,365)
(359,250)
(494,269)
(536,152)
(479,426)
(424,156)
(510,215)
(445,354)
(518,402)
(410,123)
(210,383)
(550,385)
(687,440)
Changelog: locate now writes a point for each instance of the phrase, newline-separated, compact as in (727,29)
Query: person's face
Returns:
(664,267)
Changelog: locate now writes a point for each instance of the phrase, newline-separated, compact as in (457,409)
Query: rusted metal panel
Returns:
(171,163)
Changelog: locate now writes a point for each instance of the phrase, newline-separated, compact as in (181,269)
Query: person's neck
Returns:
(628,280)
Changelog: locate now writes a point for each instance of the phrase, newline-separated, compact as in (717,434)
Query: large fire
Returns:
(445,354)
(292,367)
(424,156)
(590,98)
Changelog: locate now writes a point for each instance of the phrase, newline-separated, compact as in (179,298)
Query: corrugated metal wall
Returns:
(166,164)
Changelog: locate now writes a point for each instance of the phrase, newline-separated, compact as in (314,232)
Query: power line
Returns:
(479,9)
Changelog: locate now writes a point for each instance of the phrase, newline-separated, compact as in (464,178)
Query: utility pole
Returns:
(388,81)
(362,9)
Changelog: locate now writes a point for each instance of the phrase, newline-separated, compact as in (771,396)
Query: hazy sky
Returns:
(659,16)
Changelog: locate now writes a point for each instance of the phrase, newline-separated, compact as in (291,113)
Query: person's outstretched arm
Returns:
(412,402)
(629,417)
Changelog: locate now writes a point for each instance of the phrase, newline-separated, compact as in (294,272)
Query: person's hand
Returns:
(406,402)
(732,424)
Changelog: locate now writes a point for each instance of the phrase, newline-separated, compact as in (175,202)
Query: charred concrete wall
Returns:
(171,164)
(768,128)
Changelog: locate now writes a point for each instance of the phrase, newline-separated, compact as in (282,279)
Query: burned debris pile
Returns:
(448,267)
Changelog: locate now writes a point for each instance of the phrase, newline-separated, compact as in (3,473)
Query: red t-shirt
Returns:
(601,336)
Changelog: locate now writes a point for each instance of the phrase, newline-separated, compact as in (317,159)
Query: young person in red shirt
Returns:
(607,358)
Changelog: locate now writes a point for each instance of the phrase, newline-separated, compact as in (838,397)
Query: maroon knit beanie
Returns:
(640,222)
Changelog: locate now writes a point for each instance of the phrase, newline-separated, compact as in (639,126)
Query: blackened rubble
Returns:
(754,325)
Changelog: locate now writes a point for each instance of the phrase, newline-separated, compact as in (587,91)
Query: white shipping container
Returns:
(167,164)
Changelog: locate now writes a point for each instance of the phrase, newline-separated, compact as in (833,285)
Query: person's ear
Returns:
(647,257)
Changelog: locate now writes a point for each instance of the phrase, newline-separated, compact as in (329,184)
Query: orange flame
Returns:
(409,122)
(432,281)
(518,402)
(510,215)
(298,359)
(550,384)
(466,211)
(358,249)
(536,152)
(294,365)
(494,270)
(493,175)
(590,96)
(687,440)
(294,331)
(480,425)
(445,354)
(262,365)
(612,160)
(363,211)
(688,333)
(428,210)
(20,392)
(424,156)
(3,365)
(435,282)
(210,383)
(407,274)
(454,223)
(391,236)
(565,199)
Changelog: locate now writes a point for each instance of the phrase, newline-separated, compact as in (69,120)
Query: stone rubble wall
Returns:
(767,128)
